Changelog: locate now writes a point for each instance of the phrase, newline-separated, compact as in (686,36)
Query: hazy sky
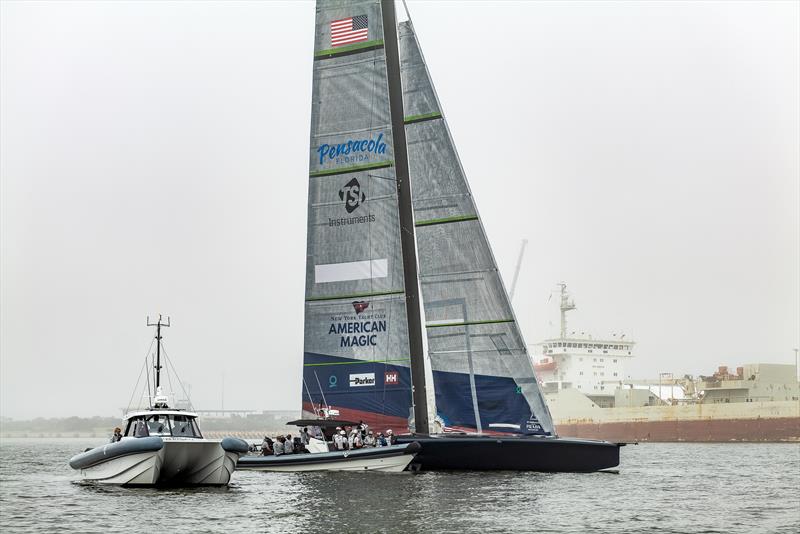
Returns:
(154,159)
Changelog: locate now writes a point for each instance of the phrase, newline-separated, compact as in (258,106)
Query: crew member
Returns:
(117,435)
(277,446)
(340,441)
(369,441)
(390,439)
(266,447)
(288,445)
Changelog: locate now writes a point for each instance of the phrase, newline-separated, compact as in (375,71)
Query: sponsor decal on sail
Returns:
(352,151)
(359,330)
(362,380)
(352,270)
(353,196)
(358,333)
(391,378)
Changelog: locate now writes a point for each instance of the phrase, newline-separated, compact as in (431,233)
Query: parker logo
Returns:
(360,306)
(361,380)
(391,378)
(352,195)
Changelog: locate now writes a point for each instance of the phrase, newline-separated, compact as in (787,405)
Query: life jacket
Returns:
(338,442)
(357,443)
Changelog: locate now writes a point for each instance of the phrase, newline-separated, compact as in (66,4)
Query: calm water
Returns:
(725,488)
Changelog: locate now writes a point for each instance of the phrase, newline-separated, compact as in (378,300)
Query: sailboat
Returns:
(398,260)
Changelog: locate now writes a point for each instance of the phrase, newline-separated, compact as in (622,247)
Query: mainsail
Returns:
(356,353)
(482,374)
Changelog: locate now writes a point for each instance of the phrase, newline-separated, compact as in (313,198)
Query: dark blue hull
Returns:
(515,453)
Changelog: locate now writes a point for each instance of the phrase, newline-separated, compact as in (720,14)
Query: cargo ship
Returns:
(590,396)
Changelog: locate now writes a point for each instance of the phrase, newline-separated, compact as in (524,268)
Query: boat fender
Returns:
(413,447)
(118,449)
(235,445)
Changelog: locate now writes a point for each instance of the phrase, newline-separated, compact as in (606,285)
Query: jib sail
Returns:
(483,377)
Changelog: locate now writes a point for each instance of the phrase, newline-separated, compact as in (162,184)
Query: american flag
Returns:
(350,30)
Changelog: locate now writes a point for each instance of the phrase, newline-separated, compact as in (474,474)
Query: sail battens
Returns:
(349,49)
(427,276)
(468,323)
(353,168)
(445,220)
(411,119)
(359,362)
(356,296)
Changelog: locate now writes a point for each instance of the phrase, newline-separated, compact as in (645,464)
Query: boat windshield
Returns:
(166,425)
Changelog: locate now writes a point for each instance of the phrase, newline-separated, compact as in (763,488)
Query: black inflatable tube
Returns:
(115,450)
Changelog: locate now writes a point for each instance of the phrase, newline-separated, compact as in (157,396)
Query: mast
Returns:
(566,305)
(407,239)
(157,366)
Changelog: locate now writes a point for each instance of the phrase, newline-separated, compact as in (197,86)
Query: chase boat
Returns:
(161,445)
(321,457)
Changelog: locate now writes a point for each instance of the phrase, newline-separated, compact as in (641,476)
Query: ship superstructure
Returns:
(590,394)
(595,367)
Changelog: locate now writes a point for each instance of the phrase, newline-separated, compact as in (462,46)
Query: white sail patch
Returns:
(352,270)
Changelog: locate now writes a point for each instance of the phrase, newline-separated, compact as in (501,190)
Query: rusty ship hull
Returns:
(777,421)
(745,430)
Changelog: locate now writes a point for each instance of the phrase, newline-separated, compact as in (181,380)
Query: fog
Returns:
(153,158)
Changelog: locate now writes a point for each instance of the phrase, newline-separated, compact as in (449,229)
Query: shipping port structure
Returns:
(590,396)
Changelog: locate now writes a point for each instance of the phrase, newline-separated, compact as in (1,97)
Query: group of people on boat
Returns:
(360,437)
(285,444)
(342,439)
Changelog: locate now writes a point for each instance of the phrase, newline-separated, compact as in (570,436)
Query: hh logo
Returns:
(352,195)
(360,306)
(391,378)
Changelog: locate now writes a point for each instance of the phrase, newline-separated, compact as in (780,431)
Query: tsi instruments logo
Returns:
(361,380)
(353,197)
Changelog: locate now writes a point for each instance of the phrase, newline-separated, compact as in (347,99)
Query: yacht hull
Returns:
(388,459)
(515,453)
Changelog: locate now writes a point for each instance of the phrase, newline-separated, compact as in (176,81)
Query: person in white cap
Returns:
(390,439)
(340,440)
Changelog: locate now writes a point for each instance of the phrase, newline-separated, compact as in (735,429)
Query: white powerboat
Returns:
(161,446)
(320,457)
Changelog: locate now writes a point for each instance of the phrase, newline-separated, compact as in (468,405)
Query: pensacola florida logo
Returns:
(352,195)
(351,151)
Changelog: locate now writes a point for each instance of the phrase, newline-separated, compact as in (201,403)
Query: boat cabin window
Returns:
(137,428)
(176,425)
(159,425)
(185,427)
